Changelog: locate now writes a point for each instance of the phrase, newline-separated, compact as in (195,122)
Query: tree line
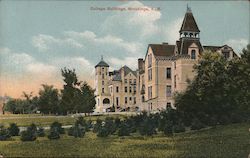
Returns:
(76,96)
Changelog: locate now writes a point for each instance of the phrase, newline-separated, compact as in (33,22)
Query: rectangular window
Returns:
(149,74)
(168,91)
(126,81)
(117,101)
(134,81)
(168,105)
(150,92)
(226,55)
(168,73)
(102,90)
(102,76)
(126,89)
(130,89)
(117,89)
(130,98)
(134,100)
(130,81)
(150,60)
(126,100)
(102,82)
(174,81)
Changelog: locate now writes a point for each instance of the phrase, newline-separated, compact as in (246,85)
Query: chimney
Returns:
(140,64)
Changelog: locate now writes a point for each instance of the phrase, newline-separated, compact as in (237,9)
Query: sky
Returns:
(39,37)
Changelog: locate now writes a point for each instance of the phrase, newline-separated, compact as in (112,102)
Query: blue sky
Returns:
(37,38)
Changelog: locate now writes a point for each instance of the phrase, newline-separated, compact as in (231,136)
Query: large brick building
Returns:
(165,70)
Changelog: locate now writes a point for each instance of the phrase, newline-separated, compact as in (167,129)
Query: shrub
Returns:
(117,122)
(54,133)
(124,129)
(32,128)
(88,125)
(13,129)
(28,135)
(168,129)
(197,124)
(76,131)
(4,133)
(110,125)
(179,128)
(147,127)
(131,125)
(40,132)
(103,132)
(58,127)
(97,125)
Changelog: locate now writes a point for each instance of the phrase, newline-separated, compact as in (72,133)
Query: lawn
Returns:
(45,120)
(231,141)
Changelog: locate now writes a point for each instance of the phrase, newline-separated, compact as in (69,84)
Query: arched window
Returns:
(193,54)
(106,101)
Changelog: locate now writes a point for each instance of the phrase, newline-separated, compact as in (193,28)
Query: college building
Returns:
(165,70)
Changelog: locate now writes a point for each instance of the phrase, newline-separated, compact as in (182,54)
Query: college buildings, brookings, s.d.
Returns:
(165,70)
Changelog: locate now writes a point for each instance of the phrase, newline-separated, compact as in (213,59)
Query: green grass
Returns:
(231,141)
(26,120)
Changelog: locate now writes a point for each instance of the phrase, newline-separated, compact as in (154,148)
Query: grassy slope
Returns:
(224,141)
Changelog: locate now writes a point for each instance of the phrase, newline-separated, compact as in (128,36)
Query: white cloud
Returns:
(172,30)
(129,61)
(237,44)
(45,42)
(140,23)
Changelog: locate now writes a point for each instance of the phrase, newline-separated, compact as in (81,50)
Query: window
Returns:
(226,55)
(134,100)
(134,81)
(130,89)
(168,91)
(126,100)
(149,60)
(168,73)
(150,92)
(130,81)
(126,89)
(117,101)
(150,74)
(168,105)
(102,90)
(102,69)
(134,89)
(126,81)
(174,81)
(143,98)
(117,89)
(193,54)
(102,82)
(130,98)
(102,76)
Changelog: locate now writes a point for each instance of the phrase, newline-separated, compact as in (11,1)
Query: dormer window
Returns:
(193,54)
(226,54)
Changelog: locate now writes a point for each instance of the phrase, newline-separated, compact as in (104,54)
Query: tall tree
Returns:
(87,99)
(48,101)
(71,92)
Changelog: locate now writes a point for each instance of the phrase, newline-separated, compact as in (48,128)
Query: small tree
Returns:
(29,134)
(103,132)
(97,125)
(58,126)
(124,129)
(13,129)
(110,125)
(4,133)
(40,132)
(77,131)
(147,127)
(54,133)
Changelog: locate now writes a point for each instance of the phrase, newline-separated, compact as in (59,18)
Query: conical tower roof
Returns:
(189,23)
(102,63)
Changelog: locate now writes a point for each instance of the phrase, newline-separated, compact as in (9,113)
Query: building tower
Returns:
(188,49)
(101,86)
